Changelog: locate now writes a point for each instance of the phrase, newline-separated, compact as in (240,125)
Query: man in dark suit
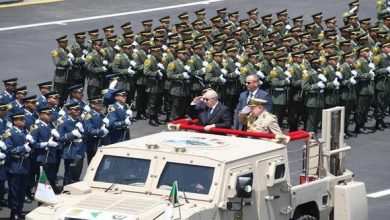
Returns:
(210,112)
(252,83)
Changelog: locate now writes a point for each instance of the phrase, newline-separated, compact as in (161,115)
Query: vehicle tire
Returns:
(306,217)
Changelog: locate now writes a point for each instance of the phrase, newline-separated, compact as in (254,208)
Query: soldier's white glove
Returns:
(287,80)
(61,112)
(224,72)
(30,139)
(149,56)
(237,72)
(336,82)
(134,44)
(71,57)
(117,47)
(388,69)
(87,108)
(203,70)
(246,110)
(322,77)
(130,71)
(9,124)
(185,75)
(129,113)
(105,131)
(260,74)
(371,65)
(112,84)
(105,62)
(76,133)
(287,73)
(2,146)
(288,27)
(135,50)
(354,73)
(237,64)
(161,66)
(80,127)
(133,64)
(187,68)
(164,54)
(287,65)
(223,80)
(321,85)
(128,121)
(339,75)
(205,63)
(28,149)
(104,69)
(70,62)
(83,57)
(371,74)
(2,156)
(164,47)
(55,133)
(106,121)
(52,143)
(85,52)
(160,73)
(352,80)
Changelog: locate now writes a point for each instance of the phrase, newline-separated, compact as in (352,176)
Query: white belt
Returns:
(78,140)
(2,162)
(279,89)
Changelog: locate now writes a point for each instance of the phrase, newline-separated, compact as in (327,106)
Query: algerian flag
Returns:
(172,200)
(44,192)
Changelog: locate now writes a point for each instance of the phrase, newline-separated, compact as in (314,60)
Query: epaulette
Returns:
(209,68)
(323,60)
(7,134)
(171,66)
(273,74)
(87,116)
(190,62)
(9,106)
(378,3)
(88,58)
(376,59)
(305,76)
(103,52)
(303,66)
(341,69)
(291,70)
(261,65)
(325,72)
(244,70)
(54,53)
(33,127)
(357,64)
(111,109)
(164,60)
(375,50)
(147,63)
(224,63)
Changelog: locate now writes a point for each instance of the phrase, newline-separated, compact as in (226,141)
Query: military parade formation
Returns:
(301,69)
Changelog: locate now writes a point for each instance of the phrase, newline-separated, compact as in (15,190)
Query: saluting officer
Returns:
(95,129)
(3,148)
(119,118)
(9,93)
(44,88)
(17,163)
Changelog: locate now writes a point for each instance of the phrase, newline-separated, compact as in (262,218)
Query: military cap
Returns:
(207,29)
(227,25)
(297,54)
(159,38)
(332,36)
(221,10)
(269,51)
(172,44)
(144,42)
(352,16)
(365,21)
(201,11)
(188,41)
(47,84)
(219,36)
(267,17)
(118,92)
(165,19)
(256,27)
(317,15)
(298,18)
(254,54)
(200,38)
(96,99)
(382,34)
(187,31)
(32,98)
(244,21)
(217,42)
(112,38)
(310,25)
(350,53)
(330,20)
(160,29)
(287,38)
(248,45)
(362,48)
(254,37)
(294,29)
(197,22)
(52,95)
(181,50)
(345,43)
(315,60)
(62,39)
(362,37)
(197,46)
(374,28)
(126,25)
(328,45)
(385,44)
(72,105)
(173,36)
(108,28)
(79,35)
(315,41)
(183,15)
(332,56)
(17,115)
(253,11)
(12,81)
(22,89)
(181,25)
(128,35)
(127,45)
(233,14)
(238,31)
(155,48)
(97,41)
(93,32)
(145,33)
(230,40)
(355,31)
(305,35)
(281,58)
(255,102)
(147,22)
(385,17)
(354,3)
(309,51)
(218,53)
(3,105)
(112,76)
(346,28)
(282,12)
(44,109)
(231,49)
(216,19)
(296,45)
(76,88)
(273,34)
(329,32)
(278,22)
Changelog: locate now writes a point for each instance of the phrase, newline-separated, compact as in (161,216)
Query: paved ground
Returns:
(27,36)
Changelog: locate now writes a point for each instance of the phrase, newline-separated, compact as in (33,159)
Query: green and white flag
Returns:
(44,192)
(172,200)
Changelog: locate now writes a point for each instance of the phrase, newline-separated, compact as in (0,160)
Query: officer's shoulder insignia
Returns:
(243,70)
(273,74)
(164,60)
(7,134)
(325,72)
(357,64)
(289,59)
(305,76)
(190,62)
(103,52)
(341,69)
(262,65)
(147,63)
(291,70)
(209,68)
(9,106)
(376,59)
(241,60)
(224,63)
(375,50)
(111,109)
(87,116)
(34,127)
(171,66)
(54,53)
(303,66)
(323,60)
(88,58)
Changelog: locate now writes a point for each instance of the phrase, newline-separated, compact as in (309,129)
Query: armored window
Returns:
(279,171)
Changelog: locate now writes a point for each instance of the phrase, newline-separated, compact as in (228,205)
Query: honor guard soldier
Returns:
(93,35)
(30,107)
(17,104)
(63,60)
(52,101)
(17,163)
(119,118)
(216,74)
(332,84)
(253,17)
(153,71)
(96,69)
(232,85)
(69,132)
(44,146)
(77,95)
(79,51)
(108,32)
(3,148)
(44,88)
(197,70)
(222,14)
(8,95)
(142,97)
(95,129)
(165,22)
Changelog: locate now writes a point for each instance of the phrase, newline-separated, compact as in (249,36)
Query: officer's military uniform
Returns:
(197,72)
(167,59)
(118,129)
(79,72)
(213,78)
(8,96)
(96,72)
(331,91)
(279,86)
(296,108)
(233,86)
(142,96)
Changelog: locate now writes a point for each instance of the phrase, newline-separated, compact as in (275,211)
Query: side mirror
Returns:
(244,186)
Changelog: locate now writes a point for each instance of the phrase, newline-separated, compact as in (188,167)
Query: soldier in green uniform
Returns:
(314,95)
(167,58)
(382,8)
(364,89)
(93,35)
(180,84)
(96,69)
(232,86)
(332,84)
(266,67)
(385,26)
(127,28)
(154,84)
(347,88)
(197,70)
(216,74)
(250,69)
(201,15)
(280,81)
(298,21)
(63,60)
(79,51)
(233,20)
(382,78)
(109,53)
(139,56)
(216,25)
(253,17)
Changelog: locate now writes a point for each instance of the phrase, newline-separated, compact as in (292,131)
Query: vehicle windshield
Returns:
(123,170)
(190,178)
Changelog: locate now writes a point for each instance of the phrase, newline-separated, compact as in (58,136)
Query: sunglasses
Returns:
(247,83)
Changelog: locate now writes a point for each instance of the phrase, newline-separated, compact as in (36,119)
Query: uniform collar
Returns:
(42,122)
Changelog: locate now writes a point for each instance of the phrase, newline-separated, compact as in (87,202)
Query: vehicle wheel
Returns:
(306,217)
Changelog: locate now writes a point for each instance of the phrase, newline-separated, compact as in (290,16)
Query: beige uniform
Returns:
(266,122)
